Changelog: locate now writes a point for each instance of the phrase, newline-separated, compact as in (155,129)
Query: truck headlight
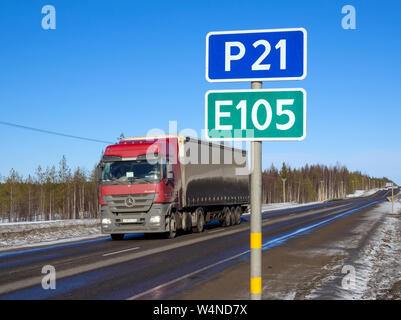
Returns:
(155,219)
(106,221)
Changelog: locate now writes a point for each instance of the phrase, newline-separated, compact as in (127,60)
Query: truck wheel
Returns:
(226,222)
(200,221)
(186,221)
(117,236)
(238,212)
(233,221)
(189,222)
(172,228)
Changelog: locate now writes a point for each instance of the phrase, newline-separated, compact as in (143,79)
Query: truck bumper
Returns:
(153,221)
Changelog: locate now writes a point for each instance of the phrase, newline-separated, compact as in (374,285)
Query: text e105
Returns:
(265,114)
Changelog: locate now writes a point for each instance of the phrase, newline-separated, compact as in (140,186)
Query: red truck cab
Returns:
(137,186)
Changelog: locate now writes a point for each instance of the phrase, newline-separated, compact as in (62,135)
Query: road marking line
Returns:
(187,276)
(214,231)
(116,252)
(302,230)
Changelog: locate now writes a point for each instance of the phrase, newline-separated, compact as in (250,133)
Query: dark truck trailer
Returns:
(167,183)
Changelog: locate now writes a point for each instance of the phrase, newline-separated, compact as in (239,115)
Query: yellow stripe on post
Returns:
(256,285)
(256,240)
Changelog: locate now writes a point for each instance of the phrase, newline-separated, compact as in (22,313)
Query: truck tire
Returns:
(233,220)
(172,228)
(200,221)
(186,221)
(237,214)
(117,236)
(226,222)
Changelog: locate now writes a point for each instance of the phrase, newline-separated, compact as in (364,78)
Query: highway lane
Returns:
(150,267)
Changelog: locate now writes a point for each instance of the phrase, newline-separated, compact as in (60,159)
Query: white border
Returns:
(256,79)
(256,138)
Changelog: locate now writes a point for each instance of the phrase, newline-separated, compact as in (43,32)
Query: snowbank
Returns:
(376,263)
(282,205)
(362,193)
(21,234)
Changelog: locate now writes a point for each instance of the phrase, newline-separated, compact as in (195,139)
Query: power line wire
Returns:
(52,132)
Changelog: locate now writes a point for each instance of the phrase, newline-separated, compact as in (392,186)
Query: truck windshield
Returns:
(139,171)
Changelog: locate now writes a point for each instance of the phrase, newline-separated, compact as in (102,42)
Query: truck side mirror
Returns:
(99,171)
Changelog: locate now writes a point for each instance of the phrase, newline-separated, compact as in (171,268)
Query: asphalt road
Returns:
(150,267)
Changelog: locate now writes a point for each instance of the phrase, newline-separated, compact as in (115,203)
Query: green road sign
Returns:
(265,114)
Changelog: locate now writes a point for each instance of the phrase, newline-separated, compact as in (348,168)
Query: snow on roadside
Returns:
(28,234)
(25,226)
(377,265)
(287,205)
(362,193)
(25,245)
(282,205)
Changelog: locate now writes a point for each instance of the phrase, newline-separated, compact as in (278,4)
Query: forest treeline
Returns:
(59,192)
(314,183)
(49,194)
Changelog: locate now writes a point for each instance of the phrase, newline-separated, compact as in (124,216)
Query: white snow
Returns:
(17,226)
(282,205)
(28,234)
(40,243)
(377,264)
(362,193)
(286,205)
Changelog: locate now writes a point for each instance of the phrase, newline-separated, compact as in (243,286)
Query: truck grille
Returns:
(130,203)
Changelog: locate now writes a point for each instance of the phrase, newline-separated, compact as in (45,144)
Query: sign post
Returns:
(256,216)
(256,114)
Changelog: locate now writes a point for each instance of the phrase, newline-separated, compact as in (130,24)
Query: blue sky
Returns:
(130,66)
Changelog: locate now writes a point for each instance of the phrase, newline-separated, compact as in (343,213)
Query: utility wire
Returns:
(53,132)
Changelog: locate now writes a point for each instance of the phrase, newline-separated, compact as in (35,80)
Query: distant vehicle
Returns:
(167,183)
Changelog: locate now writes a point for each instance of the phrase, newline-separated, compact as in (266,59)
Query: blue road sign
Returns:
(256,55)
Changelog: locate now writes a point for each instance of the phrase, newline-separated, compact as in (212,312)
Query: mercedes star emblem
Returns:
(130,202)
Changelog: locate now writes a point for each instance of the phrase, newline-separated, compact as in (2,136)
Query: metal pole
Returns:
(283,179)
(256,217)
